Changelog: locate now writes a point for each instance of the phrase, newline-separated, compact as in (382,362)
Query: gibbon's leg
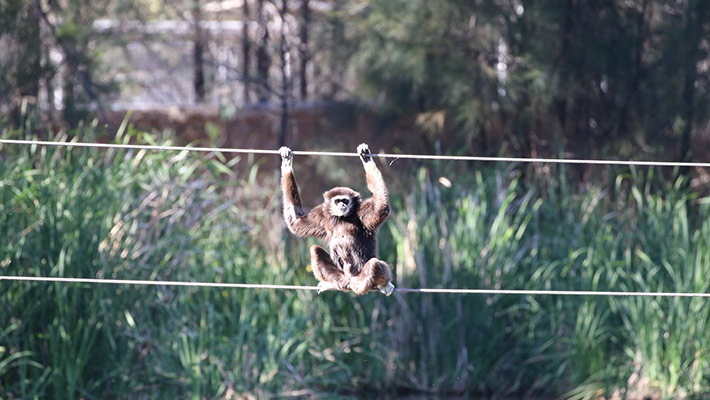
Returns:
(328,274)
(375,274)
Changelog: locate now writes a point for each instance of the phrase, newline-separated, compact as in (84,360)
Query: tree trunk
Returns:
(30,43)
(631,90)
(303,48)
(49,82)
(335,67)
(69,109)
(198,54)
(285,58)
(561,65)
(263,61)
(696,17)
(246,51)
(26,49)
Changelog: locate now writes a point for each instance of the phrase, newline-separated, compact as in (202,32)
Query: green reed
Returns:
(185,216)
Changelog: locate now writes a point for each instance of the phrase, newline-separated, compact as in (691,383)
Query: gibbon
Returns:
(347,223)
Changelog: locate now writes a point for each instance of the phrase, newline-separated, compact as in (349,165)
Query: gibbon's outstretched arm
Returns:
(299,222)
(374,211)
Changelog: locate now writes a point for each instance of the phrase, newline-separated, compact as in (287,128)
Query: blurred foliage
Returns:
(48,52)
(20,41)
(542,77)
(185,216)
(530,77)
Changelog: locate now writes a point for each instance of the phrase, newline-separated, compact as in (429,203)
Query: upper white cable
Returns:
(353,154)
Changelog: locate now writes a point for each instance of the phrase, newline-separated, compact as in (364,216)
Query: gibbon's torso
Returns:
(351,245)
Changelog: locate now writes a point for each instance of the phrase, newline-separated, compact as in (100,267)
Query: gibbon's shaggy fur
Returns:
(349,225)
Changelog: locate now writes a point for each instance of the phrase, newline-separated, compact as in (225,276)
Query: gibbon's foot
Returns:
(325,286)
(364,151)
(386,289)
(286,157)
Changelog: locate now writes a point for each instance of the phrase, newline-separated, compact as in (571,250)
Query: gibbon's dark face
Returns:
(342,202)
(340,206)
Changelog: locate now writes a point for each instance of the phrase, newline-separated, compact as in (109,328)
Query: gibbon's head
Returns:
(341,201)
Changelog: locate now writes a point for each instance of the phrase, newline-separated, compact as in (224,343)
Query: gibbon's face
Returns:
(342,202)
(341,206)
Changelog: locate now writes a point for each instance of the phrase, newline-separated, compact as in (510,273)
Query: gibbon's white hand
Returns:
(286,157)
(364,151)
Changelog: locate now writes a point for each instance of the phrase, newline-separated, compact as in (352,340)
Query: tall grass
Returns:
(181,216)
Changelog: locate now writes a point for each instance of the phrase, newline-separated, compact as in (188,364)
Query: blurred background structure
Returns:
(614,79)
(535,78)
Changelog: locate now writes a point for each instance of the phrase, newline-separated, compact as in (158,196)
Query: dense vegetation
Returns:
(184,216)
(613,79)
(616,78)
